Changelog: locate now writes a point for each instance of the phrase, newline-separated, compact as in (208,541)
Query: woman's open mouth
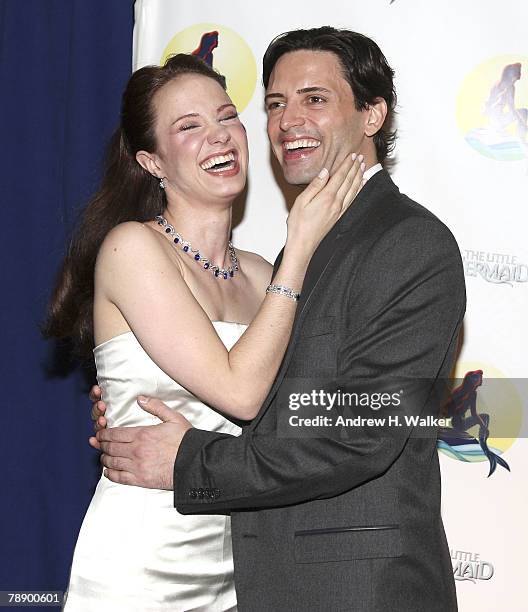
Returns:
(221,164)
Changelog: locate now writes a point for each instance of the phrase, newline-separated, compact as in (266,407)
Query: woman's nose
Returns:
(219,134)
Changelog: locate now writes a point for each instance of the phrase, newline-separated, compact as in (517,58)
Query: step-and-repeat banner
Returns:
(462,83)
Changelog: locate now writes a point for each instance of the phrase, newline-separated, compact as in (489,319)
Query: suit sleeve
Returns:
(408,300)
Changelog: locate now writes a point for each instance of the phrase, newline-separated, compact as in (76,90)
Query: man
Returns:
(348,520)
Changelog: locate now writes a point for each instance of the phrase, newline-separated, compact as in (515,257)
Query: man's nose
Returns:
(291,117)
(218,134)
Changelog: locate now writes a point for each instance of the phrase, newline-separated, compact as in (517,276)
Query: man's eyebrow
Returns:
(273,95)
(314,89)
(218,110)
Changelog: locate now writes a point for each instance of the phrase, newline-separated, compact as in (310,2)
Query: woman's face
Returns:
(202,146)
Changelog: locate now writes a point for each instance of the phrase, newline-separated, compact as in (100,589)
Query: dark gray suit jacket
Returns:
(349,522)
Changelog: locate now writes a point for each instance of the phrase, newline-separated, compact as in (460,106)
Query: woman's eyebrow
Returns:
(185,116)
(219,109)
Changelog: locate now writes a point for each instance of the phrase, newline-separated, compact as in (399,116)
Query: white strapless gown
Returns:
(135,552)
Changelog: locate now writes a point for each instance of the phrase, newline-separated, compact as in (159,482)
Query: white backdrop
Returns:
(462,151)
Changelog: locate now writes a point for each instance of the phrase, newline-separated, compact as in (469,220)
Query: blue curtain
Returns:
(64,64)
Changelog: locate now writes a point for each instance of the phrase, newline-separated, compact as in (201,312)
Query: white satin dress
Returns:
(135,552)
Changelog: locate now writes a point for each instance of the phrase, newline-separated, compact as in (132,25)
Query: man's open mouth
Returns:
(301,143)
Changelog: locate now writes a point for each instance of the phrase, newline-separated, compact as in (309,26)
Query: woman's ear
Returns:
(376,116)
(149,162)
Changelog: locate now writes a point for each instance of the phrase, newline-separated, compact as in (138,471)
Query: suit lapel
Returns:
(319,264)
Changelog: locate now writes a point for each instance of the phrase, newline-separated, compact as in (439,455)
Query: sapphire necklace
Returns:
(203,261)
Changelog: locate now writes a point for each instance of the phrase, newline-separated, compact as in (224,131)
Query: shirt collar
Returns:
(371,172)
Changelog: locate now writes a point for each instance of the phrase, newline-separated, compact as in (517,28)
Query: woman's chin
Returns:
(229,188)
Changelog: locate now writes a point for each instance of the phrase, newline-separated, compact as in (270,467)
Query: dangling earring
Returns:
(162,184)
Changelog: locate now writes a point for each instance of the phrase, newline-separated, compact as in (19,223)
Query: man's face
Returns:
(312,120)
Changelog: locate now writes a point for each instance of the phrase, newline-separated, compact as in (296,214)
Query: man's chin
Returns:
(298,176)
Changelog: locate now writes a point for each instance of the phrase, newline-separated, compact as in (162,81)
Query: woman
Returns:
(179,314)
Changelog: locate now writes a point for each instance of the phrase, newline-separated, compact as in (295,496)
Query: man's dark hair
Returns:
(364,67)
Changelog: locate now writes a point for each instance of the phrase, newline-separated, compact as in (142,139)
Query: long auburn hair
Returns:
(127,193)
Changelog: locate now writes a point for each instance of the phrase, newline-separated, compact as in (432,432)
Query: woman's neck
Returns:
(207,228)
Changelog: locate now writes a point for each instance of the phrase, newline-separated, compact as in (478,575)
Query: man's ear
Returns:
(376,116)
(149,162)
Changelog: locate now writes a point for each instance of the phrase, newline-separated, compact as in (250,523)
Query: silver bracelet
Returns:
(285,291)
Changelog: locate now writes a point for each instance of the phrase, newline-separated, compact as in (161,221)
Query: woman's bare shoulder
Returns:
(132,239)
(127,234)
(134,246)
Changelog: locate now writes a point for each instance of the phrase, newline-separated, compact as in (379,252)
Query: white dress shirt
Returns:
(371,172)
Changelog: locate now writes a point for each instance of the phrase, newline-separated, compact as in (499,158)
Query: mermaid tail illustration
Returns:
(493,458)
(505,134)
(463,399)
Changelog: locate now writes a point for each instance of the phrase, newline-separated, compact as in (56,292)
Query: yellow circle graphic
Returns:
(498,402)
(228,53)
(492,108)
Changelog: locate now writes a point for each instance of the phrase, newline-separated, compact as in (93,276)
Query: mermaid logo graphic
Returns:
(492,108)
(485,412)
(224,50)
